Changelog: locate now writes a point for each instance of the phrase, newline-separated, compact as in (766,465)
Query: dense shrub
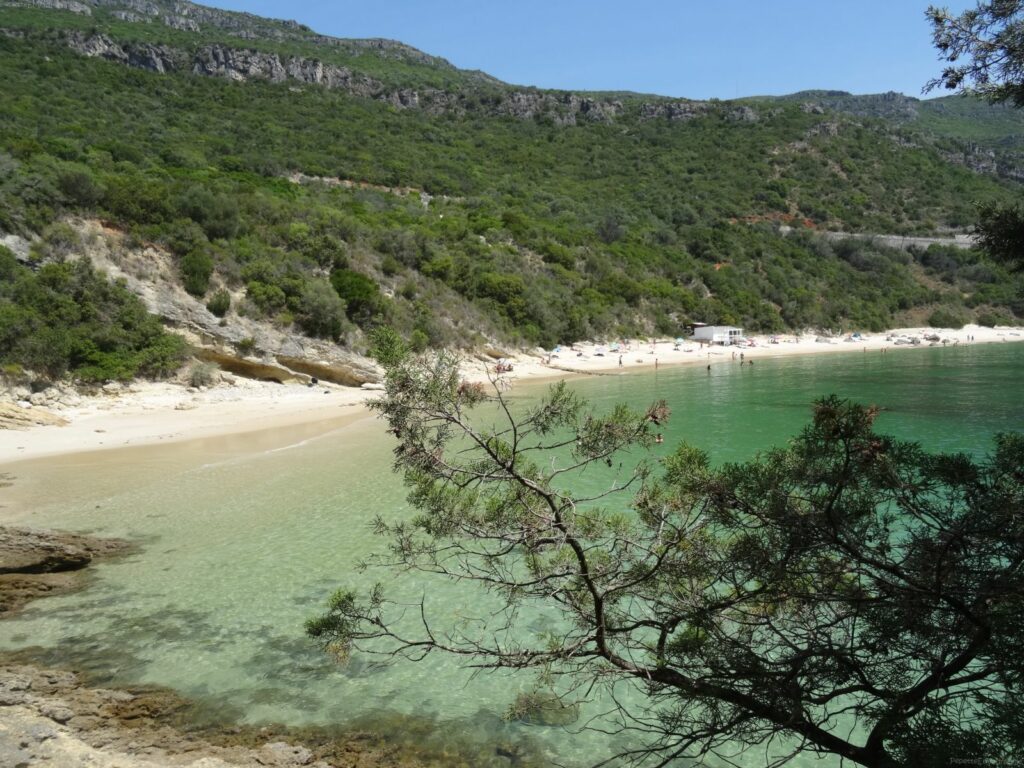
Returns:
(196,269)
(990,319)
(361,295)
(202,374)
(322,311)
(68,319)
(945,317)
(219,303)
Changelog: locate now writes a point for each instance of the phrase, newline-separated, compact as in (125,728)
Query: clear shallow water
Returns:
(244,538)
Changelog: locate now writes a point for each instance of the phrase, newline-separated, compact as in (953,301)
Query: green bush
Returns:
(217,214)
(418,340)
(268,298)
(990,319)
(246,346)
(196,269)
(80,188)
(322,311)
(67,319)
(202,374)
(219,303)
(945,317)
(361,295)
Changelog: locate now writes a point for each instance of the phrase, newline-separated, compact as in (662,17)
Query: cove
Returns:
(244,537)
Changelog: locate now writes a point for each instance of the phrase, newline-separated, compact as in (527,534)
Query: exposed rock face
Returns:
(155,58)
(561,108)
(242,64)
(348,374)
(59,5)
(149,273)
(19,246)
(34,563)
(889,105)
(677,111)
(743,115)
(21,417)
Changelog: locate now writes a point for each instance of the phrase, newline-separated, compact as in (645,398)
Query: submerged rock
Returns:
(36,563)
(543,708)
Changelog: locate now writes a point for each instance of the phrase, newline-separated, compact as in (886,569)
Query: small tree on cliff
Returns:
(849,592)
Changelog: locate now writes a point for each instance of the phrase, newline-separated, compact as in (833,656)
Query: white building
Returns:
(717,334)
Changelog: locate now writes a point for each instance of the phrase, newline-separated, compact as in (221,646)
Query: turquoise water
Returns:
(243,539)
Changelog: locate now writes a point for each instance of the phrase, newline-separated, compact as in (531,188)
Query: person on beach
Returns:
(620,361)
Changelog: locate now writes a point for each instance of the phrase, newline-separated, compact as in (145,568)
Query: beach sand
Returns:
(149,413)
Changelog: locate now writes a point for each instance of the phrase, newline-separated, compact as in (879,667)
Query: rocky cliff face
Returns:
(191,17)
(888,106)
(242,64)
(55,5)
(488,96)
(156,58)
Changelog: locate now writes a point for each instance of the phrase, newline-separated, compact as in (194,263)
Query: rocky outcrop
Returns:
(683,110)
(25,415)
(676,111)
(742,114)
(51,717)
(35,563)
(562,108)
(889,106)
(58,5)
(19,246)
(155,58)
(347,374)
(191,17)
(243,64)
(247,367)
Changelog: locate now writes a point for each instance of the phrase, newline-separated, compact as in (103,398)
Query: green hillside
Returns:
(545,217)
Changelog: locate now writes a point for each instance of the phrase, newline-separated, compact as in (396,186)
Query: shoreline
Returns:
(151,413)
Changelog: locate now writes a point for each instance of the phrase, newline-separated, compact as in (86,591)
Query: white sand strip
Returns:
(152,413)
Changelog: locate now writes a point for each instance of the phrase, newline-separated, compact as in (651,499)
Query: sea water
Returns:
(244,537)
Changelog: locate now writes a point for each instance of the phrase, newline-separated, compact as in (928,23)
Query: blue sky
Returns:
(714,48)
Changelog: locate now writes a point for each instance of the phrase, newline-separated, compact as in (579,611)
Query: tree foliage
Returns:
(990,40)
(1000,232)
(849,593)
(985,48)
(68,319)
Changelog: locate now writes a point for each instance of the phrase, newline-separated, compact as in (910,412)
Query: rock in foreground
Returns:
(34,563)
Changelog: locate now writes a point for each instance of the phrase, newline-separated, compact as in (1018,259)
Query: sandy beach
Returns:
(147,413)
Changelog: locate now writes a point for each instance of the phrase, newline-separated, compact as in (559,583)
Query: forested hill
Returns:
(326,186)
